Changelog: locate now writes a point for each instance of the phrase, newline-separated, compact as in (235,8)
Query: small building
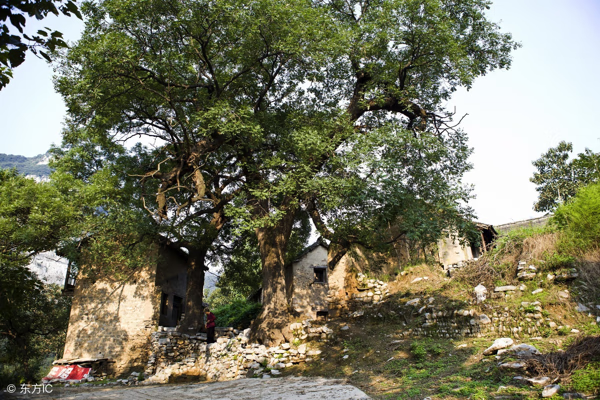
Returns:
(114,319)
(316,290)
(451,251)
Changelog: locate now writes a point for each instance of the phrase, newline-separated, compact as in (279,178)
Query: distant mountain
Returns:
(30,166)
(210,281)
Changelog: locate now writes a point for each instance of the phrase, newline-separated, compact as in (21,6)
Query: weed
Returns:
(564,331)
(418,351)
(355,344)
(556,261)
(587,380)
(530,309)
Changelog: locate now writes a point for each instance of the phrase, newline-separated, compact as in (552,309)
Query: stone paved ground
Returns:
(296,388)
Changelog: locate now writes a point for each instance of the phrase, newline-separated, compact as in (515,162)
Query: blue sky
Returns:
(549,94)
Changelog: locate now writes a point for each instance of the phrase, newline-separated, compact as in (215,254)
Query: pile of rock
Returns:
(306,331)
(526,273)
(231,357)
(371,291)
(505,347)
(451,268)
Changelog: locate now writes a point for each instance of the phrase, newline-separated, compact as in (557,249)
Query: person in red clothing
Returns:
(210,326)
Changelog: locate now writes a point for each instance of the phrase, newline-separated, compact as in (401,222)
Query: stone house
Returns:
(316,291)
(114,319)
(312,285)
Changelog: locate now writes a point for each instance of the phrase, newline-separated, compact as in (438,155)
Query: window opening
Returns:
(320,275)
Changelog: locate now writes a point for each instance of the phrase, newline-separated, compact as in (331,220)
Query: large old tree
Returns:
(261,109)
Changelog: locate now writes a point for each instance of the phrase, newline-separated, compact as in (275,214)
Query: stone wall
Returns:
(450,251)
(528,223)
(369,291)
(433,318)
(231,357)
(113,320)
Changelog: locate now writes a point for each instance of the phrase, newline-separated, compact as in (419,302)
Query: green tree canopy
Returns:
(558,177)
(12,44)
(260,109)
(33,323)
(34,217)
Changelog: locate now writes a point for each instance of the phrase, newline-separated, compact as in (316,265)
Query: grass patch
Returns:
(587,380)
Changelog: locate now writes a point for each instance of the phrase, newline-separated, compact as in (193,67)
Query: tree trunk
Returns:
(271,327)
(193,319)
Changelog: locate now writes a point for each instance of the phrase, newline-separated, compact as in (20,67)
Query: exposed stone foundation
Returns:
(231,357)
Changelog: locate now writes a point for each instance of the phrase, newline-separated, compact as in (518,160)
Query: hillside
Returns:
(428,338)
(35,166)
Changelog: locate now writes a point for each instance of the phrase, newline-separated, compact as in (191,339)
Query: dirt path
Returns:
(296,388)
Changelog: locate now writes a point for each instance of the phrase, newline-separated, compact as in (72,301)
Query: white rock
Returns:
(524,350)
(508,288)
(480,293)
(582,308)
(344,328)
(512,365)
(484,319)
(413,302)
(346,357)
(416,280)
(563,294)
(539,381)
(536,291)
(498,344)
(550,390)
(302,348)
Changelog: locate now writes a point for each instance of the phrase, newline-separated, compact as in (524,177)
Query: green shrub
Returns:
(556,261)
(580,218)
(587,380)
(564,331)
(238,314)
(418,351)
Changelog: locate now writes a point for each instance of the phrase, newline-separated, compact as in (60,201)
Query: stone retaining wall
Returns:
(231,357)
